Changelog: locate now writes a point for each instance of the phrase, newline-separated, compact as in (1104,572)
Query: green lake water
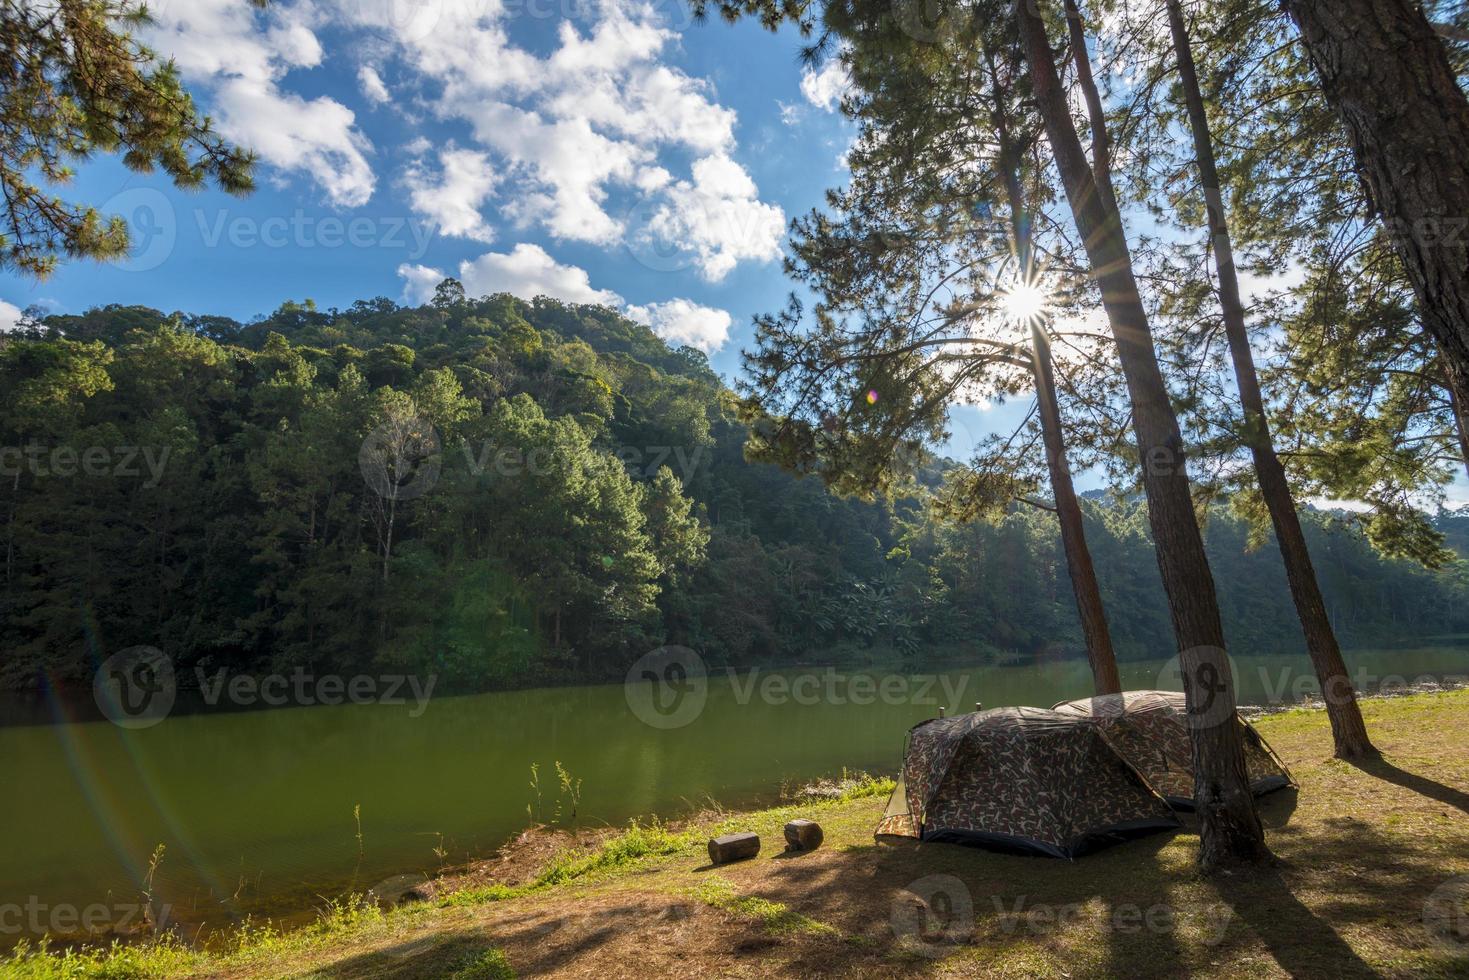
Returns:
(255,808)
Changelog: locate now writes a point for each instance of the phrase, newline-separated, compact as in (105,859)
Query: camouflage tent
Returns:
(1024,779)
(1150,729)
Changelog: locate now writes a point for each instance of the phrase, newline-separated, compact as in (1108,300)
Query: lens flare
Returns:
(1024,302)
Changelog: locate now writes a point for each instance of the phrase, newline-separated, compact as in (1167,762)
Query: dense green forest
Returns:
(563,492)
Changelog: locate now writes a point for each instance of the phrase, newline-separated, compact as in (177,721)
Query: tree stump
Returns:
(803,835)
(733,847)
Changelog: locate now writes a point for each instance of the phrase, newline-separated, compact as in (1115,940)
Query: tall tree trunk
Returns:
(1347,728)
(1385,72)
(1084,586)
(1459,400)
(1096,116)
(1083,573)
(1230,831)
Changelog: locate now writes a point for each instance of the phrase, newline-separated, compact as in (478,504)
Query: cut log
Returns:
(733,847)
(803,835)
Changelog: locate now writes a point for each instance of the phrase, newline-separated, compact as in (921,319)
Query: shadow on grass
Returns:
(439,956)
(1303,943)
(1340,877)
(1380,767)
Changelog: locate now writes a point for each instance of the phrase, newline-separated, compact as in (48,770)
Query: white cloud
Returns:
(452,198)
(528,271)
(317,137)
(226,46)
(583,135)
(373,87)
(825,88)
(419,282)
(579,135)
(718,218)
(682,321)
(9,316)
(790,112)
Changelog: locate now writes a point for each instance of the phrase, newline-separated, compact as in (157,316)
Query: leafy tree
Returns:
(1230,830)
(925,299)
(1387,74)
(76,81)
(1348,729)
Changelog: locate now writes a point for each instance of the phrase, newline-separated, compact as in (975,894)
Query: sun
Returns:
(1024,303)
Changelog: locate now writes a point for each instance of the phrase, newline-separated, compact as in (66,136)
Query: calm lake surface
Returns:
(255,809)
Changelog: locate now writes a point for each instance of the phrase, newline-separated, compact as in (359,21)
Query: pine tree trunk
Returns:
(1347,728)
(1385,72)
(1459,400)
(1084,586)
(1230,831)
(1096,116)
(1079,565)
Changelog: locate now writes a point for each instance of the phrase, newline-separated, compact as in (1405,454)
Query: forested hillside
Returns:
(505,492)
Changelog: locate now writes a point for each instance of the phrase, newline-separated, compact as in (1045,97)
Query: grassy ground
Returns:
(1361,851)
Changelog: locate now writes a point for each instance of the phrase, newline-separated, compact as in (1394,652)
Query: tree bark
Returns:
(1096,115)
(1084,586)
(1385,72)
(1347,728)
(1230,831)
(1083,573)
(1459,401)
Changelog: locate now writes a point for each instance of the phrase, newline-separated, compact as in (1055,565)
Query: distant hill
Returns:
(503,492)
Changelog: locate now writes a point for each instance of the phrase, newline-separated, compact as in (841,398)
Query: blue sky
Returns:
(594,150)
(597,151)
